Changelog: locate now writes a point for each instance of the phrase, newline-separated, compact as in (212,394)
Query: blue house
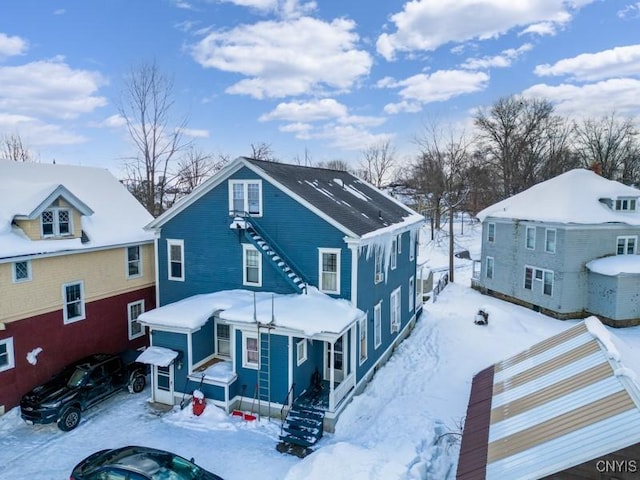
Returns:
(281,289)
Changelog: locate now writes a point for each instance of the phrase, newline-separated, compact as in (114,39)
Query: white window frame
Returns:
(330,251)
(412,248)
(378,262)
(395,310)
(628,204)
(394,253)
(219,338)
(55,211)
(377,325)
(129,262)
(14,272)
(245,190)
(245,351)
(247,247)
(541,275)
(399,240)
(546,273)
(131,320)
(532,237)
(412,293)
(11,359)
(547,247)
(301,352)
(490,265)
(626,239)
(83,313)
(363,339)
(175,243)
(491,232)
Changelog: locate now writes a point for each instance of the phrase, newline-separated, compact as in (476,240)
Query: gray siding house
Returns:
(567,247)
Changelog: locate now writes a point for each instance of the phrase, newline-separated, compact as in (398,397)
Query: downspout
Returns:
(156,243)
(352,244)
(331,378)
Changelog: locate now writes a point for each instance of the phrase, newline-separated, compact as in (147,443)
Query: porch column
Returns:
(331,377)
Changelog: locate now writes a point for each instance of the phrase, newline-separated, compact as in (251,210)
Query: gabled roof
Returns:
(110,214)
(352,205)
(572,197)
(563,402)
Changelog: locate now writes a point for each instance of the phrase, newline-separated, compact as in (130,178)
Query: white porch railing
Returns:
(337,394)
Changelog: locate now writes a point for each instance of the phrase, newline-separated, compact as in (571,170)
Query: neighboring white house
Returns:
(567,247)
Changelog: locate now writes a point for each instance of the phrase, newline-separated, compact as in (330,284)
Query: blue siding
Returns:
(177,342)
(213,252)
(302,374)
(202,342)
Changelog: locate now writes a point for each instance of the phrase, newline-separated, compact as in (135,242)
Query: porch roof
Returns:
(312,314)
(615,265)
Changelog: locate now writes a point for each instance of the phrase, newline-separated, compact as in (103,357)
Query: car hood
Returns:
(50,392)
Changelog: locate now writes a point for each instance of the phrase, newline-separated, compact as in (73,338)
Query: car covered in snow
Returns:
(139,463)
(81,385)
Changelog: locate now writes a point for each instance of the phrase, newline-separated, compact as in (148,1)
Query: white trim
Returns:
(245,363)
(14,270)
(412,293)
(546,240)
(83,313)
(131,320)
(55,224)
(377,326)
(526,237)
(156,264)
(245,192)
(399,243)
(489,260)
(170,243)
(394,253)
(362,326)
(127,261)
(491,226)
(247,247)
(11,360)
(300,360)
(626,239)
(337,252)
(217,323)
(378,276)
(395,310)
(354,272)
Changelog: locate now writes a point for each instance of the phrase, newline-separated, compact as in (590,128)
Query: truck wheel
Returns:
(137,383)
(69,419)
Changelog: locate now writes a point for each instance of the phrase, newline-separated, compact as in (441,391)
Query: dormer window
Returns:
(56,222)
(626,204)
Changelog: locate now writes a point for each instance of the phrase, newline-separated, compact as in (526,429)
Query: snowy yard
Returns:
(397,429)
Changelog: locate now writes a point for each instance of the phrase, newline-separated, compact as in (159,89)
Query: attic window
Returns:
(626,204)
(56,222)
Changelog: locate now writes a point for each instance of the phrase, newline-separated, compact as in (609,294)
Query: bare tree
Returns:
(612,144)
(13,148)
(146,105)
(513,137)
(335,165)
(378,162)
(442,163)
(262,151)
(196,166)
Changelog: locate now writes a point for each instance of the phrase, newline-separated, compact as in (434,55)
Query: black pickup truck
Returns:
(81,385)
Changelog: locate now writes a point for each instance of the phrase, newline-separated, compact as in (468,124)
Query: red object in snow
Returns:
(198,403)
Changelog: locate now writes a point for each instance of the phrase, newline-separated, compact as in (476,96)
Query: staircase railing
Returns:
(287,401)
(261,231)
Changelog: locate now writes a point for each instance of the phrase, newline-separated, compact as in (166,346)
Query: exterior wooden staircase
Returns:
(301,429)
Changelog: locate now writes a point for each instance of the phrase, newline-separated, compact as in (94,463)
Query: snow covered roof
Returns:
(111,215)
(572,197)
(355,207)
(615,265)
(158,356)
(311,314)
(562,402)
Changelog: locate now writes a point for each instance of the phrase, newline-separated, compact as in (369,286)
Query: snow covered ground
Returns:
(405,425)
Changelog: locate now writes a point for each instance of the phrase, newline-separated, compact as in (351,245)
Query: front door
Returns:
(338,363)
(163,384)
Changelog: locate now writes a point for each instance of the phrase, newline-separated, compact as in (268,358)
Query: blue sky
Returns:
(326,77)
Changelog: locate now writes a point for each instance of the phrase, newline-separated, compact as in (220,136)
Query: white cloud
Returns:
(36,133)
(540,29)
(349,137)
(195,133)
(283,58)
(630,11)
(11,46)
(311,111)
(504,59)
(427,24)
(436,87)
(114,121)
(615,62)
(285,8)
(592,100)
(49,88)
(59,11)
(301,130)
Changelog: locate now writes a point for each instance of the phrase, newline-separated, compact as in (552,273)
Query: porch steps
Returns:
(277,259)
(302,427)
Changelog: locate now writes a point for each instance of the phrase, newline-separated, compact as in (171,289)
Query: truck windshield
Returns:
(77,378)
